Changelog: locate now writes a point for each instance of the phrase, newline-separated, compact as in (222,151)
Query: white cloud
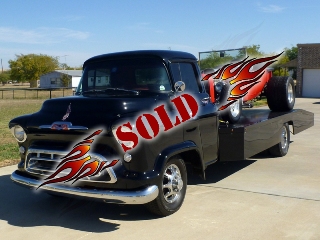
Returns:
(40,35)
(271,9)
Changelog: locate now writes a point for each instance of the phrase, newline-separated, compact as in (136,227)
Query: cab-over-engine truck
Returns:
(118,86)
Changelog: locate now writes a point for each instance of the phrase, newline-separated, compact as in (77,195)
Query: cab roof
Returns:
(166,55)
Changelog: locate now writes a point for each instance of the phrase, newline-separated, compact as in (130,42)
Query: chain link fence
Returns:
(35,93)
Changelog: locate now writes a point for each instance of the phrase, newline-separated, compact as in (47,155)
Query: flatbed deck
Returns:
(258,130)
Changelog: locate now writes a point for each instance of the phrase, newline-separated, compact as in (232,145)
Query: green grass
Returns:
(10,109)
(259,103)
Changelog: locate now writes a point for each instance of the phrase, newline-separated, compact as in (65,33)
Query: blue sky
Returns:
(75,30)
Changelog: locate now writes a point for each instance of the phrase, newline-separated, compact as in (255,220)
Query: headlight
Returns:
(19,133)
(218,87)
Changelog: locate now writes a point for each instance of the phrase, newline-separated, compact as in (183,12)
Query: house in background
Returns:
(53,79)
(308,70)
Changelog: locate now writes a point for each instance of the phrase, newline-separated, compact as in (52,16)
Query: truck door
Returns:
(203,128)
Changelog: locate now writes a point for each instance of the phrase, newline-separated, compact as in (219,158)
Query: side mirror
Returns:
(179,86)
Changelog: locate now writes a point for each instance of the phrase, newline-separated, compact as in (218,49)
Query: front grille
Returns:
(44,162)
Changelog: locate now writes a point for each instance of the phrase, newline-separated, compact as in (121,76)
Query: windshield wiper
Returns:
(121,89)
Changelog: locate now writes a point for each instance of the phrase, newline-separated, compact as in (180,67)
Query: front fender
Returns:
(173,150)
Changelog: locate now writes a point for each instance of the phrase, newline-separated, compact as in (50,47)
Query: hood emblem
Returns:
(67,113)
(62,126)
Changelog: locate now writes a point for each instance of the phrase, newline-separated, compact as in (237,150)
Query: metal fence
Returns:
(35,93)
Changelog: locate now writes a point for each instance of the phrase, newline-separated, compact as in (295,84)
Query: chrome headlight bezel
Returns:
(19,133)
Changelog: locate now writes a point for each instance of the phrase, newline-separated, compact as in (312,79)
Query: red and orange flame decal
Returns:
(79,162)
(239,75)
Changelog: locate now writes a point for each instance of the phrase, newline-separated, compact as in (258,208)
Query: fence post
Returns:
(37,93)
(62,92)
(25,94)
(50,93)
(12,94)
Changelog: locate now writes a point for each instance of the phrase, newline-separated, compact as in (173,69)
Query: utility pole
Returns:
(1,66)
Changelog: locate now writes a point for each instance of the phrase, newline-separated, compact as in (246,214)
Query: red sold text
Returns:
(147,125)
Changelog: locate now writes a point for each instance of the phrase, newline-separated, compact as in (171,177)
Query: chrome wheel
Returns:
(290,93)
(235,108)
(284,139)
(281,148)
(172,188)
(172,183)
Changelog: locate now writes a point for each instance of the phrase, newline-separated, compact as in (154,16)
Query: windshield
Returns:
(124,77)
(216,59)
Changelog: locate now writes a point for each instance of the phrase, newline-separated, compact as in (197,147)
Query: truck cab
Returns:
(115,88)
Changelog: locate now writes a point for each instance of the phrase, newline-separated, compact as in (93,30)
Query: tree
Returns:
(65,80)
(291,53)
(288,55)
(31,66)
(254,51)
(64,66)
(214,60)
(4,77)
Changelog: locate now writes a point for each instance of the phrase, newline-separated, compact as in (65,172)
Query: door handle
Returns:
(191,129)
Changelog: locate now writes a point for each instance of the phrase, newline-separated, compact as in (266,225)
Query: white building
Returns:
(53,79)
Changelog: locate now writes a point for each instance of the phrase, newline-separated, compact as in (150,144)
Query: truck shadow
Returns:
(221,170)
(218,171)
(22,207)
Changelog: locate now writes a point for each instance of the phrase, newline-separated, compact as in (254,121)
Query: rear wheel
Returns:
(280,94)
(282,148)
(172,188)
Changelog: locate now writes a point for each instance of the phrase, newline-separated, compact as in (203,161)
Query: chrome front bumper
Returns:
(110,196)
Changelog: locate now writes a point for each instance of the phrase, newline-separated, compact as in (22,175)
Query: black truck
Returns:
(113,104)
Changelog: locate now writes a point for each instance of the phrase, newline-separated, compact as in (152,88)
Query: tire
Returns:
(280,94)
(172,188)
(281,149)
(233,113)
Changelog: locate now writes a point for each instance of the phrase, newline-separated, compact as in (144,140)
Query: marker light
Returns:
(127,157)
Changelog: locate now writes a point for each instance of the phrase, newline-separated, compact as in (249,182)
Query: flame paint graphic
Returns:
(239,75)
(79,162)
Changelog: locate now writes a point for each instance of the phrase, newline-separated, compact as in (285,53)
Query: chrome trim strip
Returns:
(68,124)
(110,196)
(113,177)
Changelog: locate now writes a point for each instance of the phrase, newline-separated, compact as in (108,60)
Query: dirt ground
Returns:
(8,163)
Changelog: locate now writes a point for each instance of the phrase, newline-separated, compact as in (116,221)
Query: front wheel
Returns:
(233,113)
(172,188)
